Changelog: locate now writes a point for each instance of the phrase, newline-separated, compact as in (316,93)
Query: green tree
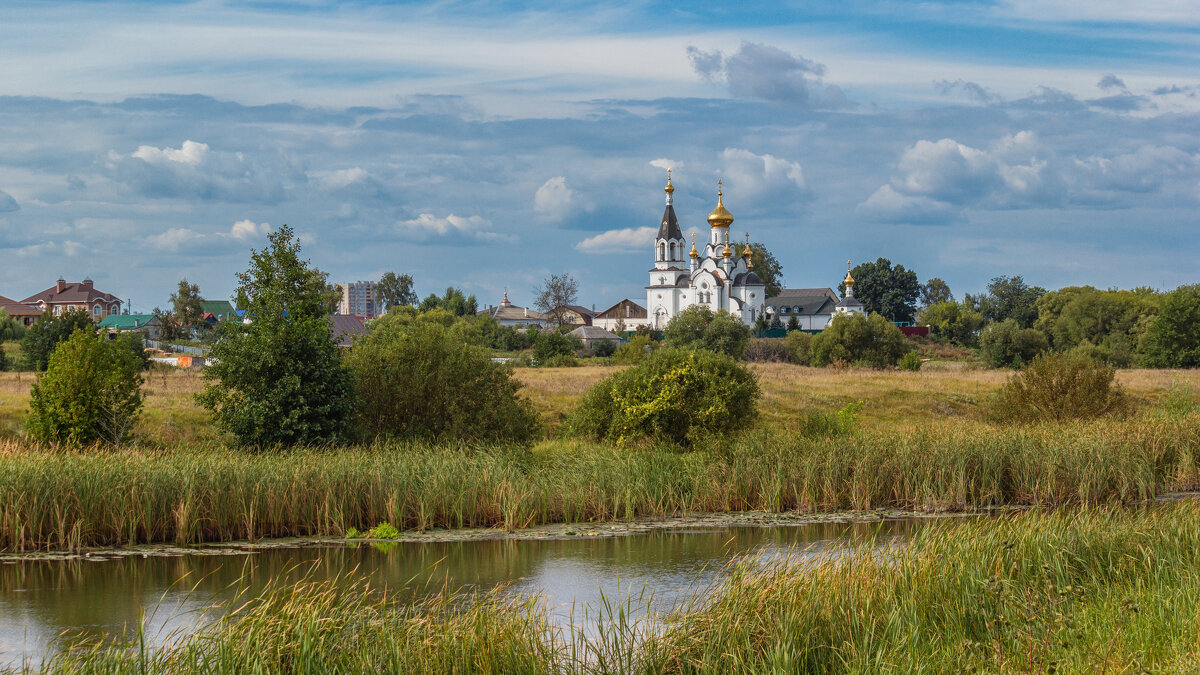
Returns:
(934,291)
(279,379)
(884,288)
(1006,345)
(1078,314)
(767,268)
(454,301)
(43,337)
(424,379)
(793,323)
(949,320)
(395,291)
(552,297)
(1011,298)
(698,327)
(551,343)
(185,302)
(10,327)
(91,392)
(853,338)
(1173,338)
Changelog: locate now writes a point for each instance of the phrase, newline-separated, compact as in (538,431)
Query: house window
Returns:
(57,310)
(785,310)
(796,309)
(96,310)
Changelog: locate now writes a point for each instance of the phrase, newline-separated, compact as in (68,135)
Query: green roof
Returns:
(222,309)
(126,321)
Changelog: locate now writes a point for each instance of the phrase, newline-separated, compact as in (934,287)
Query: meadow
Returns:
(1110,590)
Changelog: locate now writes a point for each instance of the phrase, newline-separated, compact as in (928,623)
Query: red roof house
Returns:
(63,297)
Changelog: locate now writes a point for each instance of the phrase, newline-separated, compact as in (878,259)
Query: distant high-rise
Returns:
(358,299)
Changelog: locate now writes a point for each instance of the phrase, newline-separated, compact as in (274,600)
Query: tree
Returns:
(42,337)
(10,327)
(793,323)
(395,290)
(949,320)
(279,379)
(552,297)
(698,327)
(935,290)
(1173,338)
(331,294)
(453,301)
(885,289)
(92,391)
(1006,345)
(1011,298)
(550,344)
(854,338)
(186,304)
(767,268)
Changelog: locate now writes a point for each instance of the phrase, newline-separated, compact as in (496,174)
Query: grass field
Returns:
(1092,591)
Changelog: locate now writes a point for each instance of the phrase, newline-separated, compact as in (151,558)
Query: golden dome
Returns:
(747,253)
(849,280)
(726,252)
(720,216)
(670,188)
(694,253)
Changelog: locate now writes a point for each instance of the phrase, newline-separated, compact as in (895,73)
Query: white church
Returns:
(716,276)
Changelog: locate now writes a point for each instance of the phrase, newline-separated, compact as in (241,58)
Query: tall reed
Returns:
(67,500)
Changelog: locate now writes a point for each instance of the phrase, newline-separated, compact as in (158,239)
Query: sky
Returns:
(487,145)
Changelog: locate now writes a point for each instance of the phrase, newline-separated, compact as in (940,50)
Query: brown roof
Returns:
(14,308)
(75,293)
(614,312)
(345,328)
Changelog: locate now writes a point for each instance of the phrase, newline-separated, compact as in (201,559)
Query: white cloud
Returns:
(664,164)
(427,226)
(750,177)
(245,230)
(190,152)
(343,177)
(554,199)
(619,241)
(886,205)
(7,203)
(174,239)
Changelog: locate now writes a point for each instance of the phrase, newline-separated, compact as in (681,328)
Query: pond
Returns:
(110,596)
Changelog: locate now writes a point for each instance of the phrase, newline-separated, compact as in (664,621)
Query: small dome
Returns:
(670,188)
(720,216)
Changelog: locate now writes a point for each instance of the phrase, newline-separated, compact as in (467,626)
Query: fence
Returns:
(178,349)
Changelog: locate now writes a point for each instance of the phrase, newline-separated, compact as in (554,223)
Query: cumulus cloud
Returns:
(7,203)
(619,241)
(194,171)
(886,205)
(190,152)
(426,227)
(1145,170)
(554,199)
(1111,81)
(247,230)
(664,164)
(973,91)
(342,177)
(750,177)
(175,239)
(767,72)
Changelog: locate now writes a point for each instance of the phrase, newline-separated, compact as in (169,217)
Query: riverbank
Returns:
(71,501)
(1071,591)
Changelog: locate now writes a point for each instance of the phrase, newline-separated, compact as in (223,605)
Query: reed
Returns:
(66,500)
(1108,590)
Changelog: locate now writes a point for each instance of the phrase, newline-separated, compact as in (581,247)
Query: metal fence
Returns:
(177,349)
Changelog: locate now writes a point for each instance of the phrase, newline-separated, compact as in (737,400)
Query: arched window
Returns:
(662,251)
(672,251)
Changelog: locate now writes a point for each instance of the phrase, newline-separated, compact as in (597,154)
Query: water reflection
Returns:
(41,599)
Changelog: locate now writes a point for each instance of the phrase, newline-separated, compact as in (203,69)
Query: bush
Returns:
(43,337)
(424,380)
(1006,345)
(1058,387)
(698,327)
(676,395)
(830,424)
(636,350)
(799,345)
(92,391)
(10,327)
(560,361)
(604,348)
(767,350)
(854,338)
(550,344)
(910,361)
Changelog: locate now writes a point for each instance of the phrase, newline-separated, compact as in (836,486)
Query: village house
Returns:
(64,297)
(624,316)
(508,314)
(147,324)
(27,315)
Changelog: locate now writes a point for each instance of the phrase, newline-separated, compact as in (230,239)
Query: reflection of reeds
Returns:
(1073,591)
(67,500)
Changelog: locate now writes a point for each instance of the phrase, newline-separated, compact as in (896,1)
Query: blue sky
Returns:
(487,145)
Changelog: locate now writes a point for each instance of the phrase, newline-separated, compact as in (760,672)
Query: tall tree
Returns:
(1011,298)
(279,379)
(186,303)
(934,291)
(890,290)
(556,292)
(43,337)
(454,301)
(767,267)
(395,290)
(1173,338)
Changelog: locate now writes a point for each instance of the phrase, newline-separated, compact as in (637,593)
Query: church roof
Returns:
(849,302)
(803,301)
(670,225)
(747,279)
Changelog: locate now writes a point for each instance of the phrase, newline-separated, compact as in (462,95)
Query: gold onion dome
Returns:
(849,280)
(726,252)
(720,216)
(747,252)
(694,253)
(670,188)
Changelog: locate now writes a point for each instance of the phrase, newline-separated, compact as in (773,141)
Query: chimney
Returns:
(86,284)
(60,285)
(526,312)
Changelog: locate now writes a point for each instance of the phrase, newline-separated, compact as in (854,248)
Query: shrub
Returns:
(636,350)
(910,361)
(1058,387)
(830,424)
(1006,345)
(767,350)
(560,361)
(550,344)
(424,380)
(676,395)
(853,338)
(92,391)
(799,346)
(604,347)
(698,327)
(42,337)
(10,327)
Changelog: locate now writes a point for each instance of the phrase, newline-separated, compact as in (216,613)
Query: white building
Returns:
(849,305)
(713,277)
(508,314)
(358,299)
